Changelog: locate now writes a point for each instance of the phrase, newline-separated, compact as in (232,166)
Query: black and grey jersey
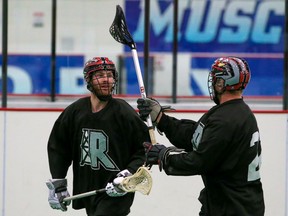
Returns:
(99,145)
(225,149)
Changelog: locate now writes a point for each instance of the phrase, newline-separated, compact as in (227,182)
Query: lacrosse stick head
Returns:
(140,181)
(119,30)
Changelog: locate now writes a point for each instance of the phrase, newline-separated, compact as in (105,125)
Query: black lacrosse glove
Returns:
(148,106)
(155,154)
(159,154)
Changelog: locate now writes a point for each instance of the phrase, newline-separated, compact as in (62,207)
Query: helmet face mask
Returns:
(233,71)
(96,66)
(215,87)
(103,84)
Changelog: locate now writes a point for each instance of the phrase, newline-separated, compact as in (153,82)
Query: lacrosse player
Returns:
(102,137)
(223,146)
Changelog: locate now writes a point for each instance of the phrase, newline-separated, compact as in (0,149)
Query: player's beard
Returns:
(216,98)
(217,94)
(103,91)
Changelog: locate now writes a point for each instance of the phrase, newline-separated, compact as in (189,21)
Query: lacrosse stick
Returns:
(140,181)
(82,195)
(119,31)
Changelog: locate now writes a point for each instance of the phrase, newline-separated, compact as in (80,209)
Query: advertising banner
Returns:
(252,26)
(30,74)
(209,29)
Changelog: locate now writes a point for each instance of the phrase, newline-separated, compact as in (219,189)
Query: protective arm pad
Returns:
(169,161)
(165,153)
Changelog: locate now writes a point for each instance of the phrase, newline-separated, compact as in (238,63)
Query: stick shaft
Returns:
(143,92)
(82,195)
(138,72)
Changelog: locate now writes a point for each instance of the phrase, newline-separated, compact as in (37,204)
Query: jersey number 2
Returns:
(254,166)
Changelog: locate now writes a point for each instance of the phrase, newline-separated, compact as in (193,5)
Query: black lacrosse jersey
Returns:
(99,145)
(224,148)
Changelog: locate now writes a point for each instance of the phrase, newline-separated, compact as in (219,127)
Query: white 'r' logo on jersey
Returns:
(94,150)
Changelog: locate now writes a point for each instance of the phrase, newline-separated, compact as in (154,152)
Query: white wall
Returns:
(82,27)
(24,170)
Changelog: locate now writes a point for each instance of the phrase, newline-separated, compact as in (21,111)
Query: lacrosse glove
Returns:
(115,189)
(154,154)
(158,154)
(150,106)
(57,192)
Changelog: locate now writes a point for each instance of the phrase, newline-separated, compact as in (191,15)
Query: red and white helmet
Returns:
(233,70)
(97,64)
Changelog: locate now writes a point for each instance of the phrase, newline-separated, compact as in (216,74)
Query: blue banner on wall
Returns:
(206,27)
(30,74)
(210,26)
(266,76)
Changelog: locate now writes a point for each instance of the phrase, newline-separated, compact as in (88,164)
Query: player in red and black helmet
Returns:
(96,68)
(102,138)
(234,72)
(223,146)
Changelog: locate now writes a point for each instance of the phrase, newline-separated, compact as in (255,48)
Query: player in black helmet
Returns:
(223,146)
(102,138)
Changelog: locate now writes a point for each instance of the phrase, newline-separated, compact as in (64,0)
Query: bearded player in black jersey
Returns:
(223,146)
(103,138)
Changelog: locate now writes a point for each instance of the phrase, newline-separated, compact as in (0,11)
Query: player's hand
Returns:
(148,106)
(57,192)
(154,154)
(159,154)
(115,189)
